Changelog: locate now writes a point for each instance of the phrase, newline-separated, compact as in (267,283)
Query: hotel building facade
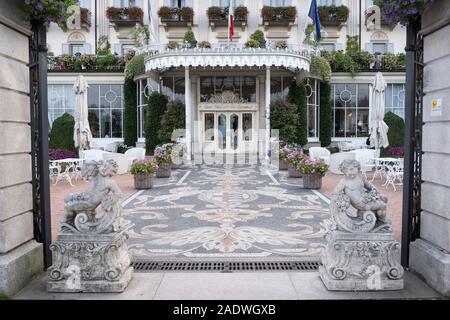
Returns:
(227,89)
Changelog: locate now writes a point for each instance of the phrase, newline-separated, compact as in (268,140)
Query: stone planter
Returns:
(312,181)
(163,171)
(176,166)
(282,164)
(293,171)
(143,180)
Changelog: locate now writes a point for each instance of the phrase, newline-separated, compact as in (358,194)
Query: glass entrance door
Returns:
(228,132)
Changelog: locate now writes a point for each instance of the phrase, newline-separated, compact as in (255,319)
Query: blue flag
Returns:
(314,15)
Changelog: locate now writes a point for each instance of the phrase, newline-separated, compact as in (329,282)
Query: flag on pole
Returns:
(151,27)
(314,15)
(231,21)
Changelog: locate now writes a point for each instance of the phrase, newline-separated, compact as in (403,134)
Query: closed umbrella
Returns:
(82,135)
(378,128)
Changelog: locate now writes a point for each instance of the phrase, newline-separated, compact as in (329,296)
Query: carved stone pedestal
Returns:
(90,263)
(361,262)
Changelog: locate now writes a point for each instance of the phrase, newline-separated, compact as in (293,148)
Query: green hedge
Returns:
(157,103)
(396,132)
(61,135)
(326,115)
(283,116)
(297,96)
(130,113)
(173,118)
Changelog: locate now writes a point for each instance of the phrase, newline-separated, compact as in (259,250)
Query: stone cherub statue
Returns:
(361,252)
(80,209)
(354,190)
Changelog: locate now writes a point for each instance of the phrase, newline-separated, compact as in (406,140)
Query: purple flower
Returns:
(39,6)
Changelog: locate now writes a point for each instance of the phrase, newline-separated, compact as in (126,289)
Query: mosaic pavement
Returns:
(226,213)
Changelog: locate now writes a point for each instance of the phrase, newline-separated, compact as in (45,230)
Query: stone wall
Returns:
(20,255)
(430,255)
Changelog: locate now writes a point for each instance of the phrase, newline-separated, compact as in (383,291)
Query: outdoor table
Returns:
(73,166)
(381,166)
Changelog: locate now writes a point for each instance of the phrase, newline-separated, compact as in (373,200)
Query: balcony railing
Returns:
(88,63)
(218,16)
(333,15)
(278,16)
(175,16)
(125,17)
(222,48)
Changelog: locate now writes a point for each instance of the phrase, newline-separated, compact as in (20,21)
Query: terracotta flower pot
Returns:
(144,180)
(312,181)
(163,171)
(282,164)
(293,171)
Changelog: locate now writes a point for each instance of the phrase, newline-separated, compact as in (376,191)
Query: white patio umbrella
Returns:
(82,135)
(378,128)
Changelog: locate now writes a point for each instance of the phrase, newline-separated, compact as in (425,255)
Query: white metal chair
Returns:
(320,153)
(57,170)
(123,162)
(93,155)
(394,175)
(135,154)
(365,159)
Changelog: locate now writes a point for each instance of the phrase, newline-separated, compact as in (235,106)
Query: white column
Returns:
(267,113)
(188,106)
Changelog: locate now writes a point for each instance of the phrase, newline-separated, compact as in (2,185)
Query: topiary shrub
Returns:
(326,114)
(61,135)
(396,132)
(130,113)
(283,116)
(157,103)
(297,96)
(173,118)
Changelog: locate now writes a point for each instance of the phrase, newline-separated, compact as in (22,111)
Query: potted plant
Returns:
(204,45)
(313,171)
(189,39)
(173,45)
(144,173)
(241,13)
(293,159)
(214,13)
(165,13)
(285,150)
(186,13)
(164,161)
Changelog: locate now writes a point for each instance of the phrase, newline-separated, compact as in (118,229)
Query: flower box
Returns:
(335,16)
(176,17)
(312,181)
(293,171)
(125,17)
(218,17)
(144,181)
(164,171)
(283,164)
(144,173)
(278,16)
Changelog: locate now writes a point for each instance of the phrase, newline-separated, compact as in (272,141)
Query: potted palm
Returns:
(313,172)
(144,173)
(164,161)
(293,159)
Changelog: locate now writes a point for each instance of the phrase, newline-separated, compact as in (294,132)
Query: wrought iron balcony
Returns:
(333,16)
(278,16)
(176,17)
(125,17)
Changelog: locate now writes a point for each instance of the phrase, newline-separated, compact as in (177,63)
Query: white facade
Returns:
(386,39)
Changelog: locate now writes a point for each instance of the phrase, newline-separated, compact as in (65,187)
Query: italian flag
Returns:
(231,21)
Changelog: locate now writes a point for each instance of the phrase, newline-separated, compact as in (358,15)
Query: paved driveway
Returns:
(227,213)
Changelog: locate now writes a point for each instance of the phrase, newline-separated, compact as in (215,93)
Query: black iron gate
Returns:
(39,140)
(413,138)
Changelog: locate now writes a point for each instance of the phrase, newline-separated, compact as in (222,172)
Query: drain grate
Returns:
(154,266)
